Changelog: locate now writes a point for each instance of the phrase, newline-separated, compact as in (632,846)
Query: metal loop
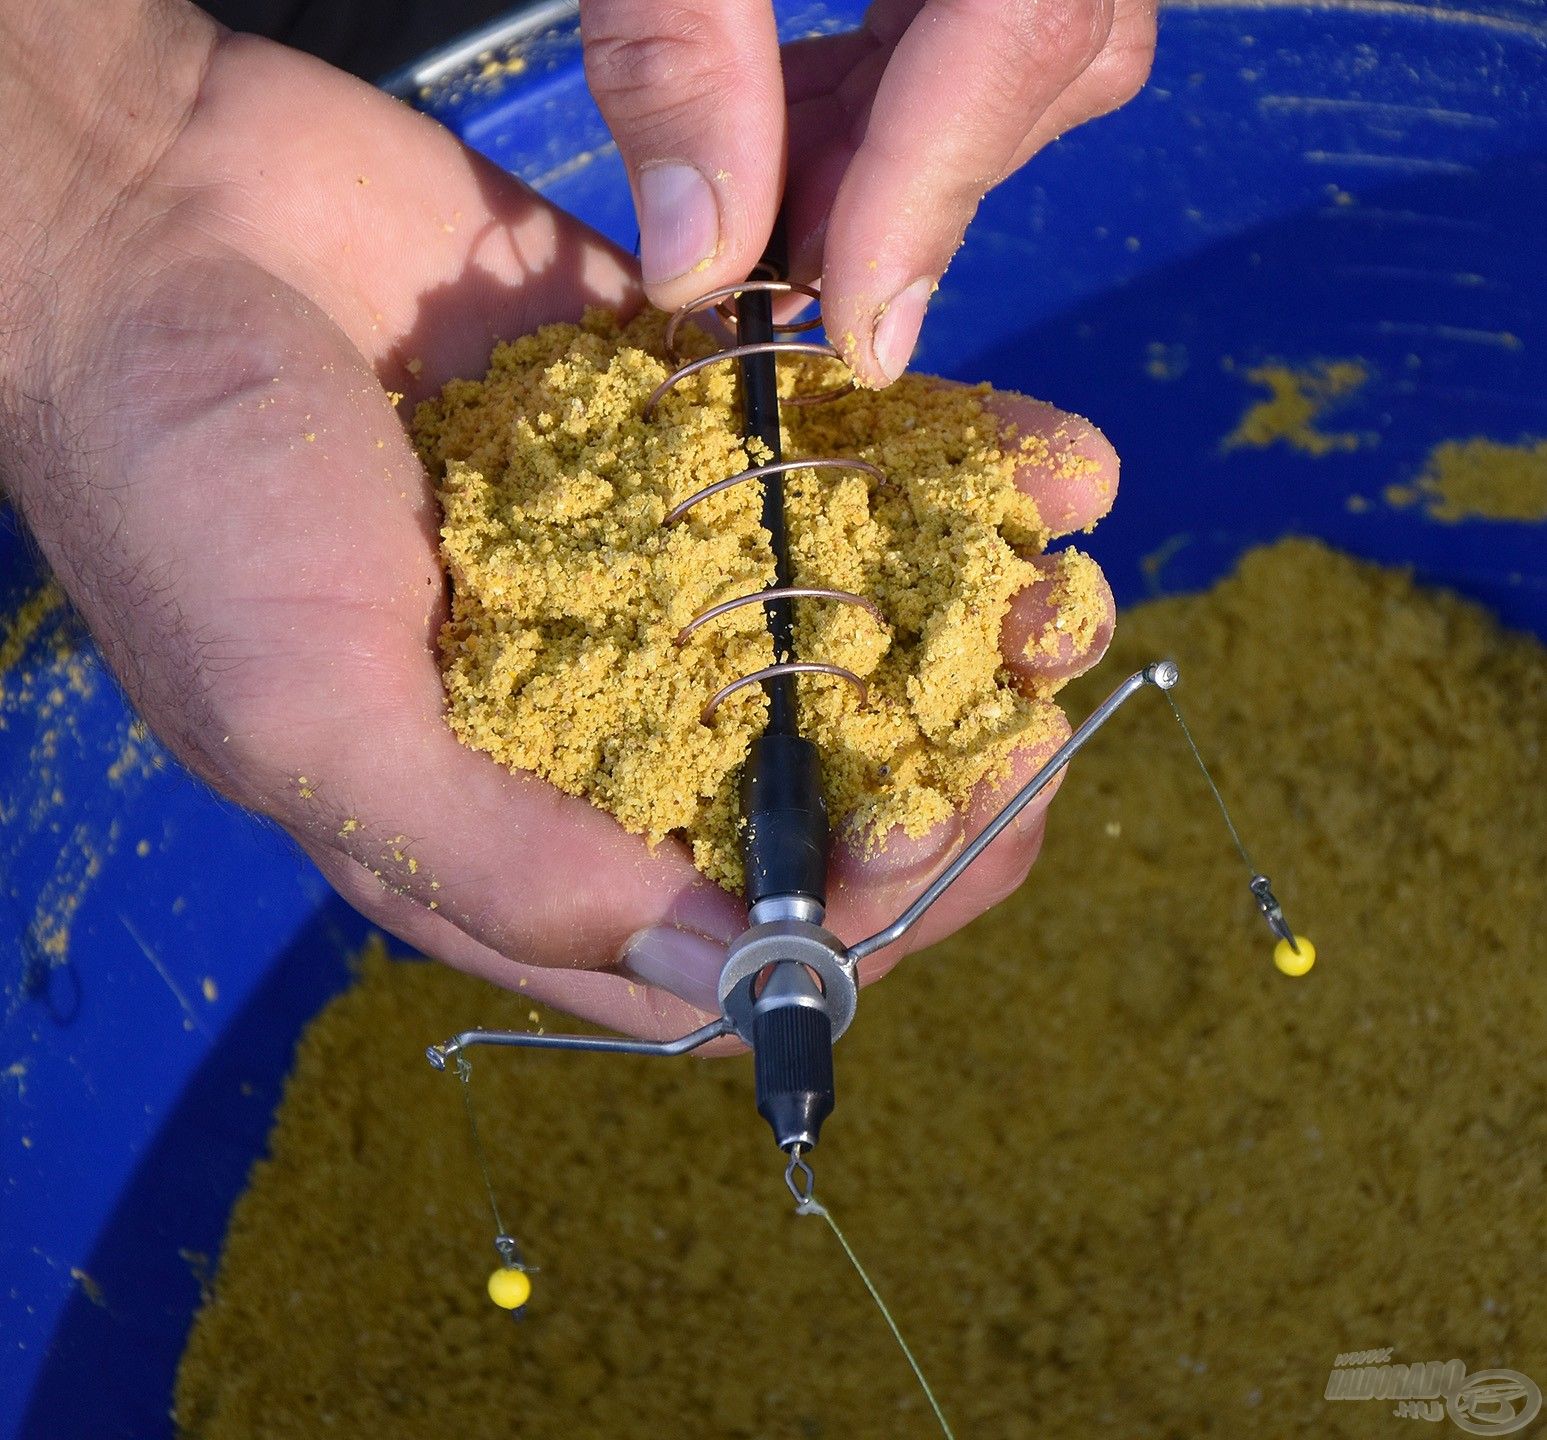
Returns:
(780,592)
(509,1251)
(716,298)
(821,397)
(798,1176)
(762,280)
(738,352)
(770,672)
(781,467)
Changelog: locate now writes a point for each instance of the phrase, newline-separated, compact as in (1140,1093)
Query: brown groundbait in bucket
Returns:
(1113,1172)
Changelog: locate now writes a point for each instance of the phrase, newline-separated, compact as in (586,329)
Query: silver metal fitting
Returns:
(819,950)
(790,984)
(786,907)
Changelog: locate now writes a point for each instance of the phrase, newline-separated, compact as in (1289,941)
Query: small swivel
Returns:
(798,1176)
(1294,954)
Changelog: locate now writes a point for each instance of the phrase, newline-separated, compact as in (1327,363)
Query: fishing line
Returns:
(809,1206)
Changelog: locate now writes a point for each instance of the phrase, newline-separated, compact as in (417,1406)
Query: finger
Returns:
(868,888)
(605,997)
(694,95)
(1060,625)
(965,84)
(1066,465)
(816,66)
(830,84)
(1111,80)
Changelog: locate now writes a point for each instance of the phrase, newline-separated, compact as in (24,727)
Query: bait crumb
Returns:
(497,67)
(1295,403)
(568,592)
(1480,479)
(1156,1145)
(89,1287)
(20,629)
(1076,598)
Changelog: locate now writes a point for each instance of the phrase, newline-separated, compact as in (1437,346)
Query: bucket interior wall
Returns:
(1297,185)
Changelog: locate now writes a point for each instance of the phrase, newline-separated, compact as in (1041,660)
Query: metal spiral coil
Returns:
(719,299)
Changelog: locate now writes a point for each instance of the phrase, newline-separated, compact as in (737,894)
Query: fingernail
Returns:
(897,328)
(679,221)
(681,962)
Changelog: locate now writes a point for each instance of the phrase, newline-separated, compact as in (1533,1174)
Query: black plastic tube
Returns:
(760,420)
(785,836)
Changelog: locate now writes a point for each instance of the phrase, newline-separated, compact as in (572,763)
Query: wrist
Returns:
(91,96)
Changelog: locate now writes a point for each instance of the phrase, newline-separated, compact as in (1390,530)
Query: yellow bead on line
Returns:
(1289,962)
(509,1288)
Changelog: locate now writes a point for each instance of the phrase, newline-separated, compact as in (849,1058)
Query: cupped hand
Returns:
(193,397)
(894,132)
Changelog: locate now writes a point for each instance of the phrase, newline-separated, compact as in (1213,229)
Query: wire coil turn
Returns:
(719,299)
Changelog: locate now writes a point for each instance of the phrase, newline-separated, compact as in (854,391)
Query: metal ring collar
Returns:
(788,940)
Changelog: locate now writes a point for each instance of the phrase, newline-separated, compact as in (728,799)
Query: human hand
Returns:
(892,133)
(218,253)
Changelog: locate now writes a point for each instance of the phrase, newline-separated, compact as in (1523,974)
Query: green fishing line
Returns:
(809,1206)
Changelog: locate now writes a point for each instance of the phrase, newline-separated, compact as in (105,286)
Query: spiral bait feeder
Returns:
(789,987)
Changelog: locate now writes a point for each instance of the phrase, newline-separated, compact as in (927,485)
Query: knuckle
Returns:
(1069,34)
(1039,35)
(1022,49)
(676,66)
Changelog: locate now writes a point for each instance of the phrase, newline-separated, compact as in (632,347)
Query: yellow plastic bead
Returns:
(1289,962)
(510,1289)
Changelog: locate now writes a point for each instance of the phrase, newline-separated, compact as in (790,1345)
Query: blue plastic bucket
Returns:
(1299,184)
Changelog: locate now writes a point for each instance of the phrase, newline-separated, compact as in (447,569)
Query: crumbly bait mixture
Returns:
(1115,1174)
(1297,400)
(569,592)
(1480,479)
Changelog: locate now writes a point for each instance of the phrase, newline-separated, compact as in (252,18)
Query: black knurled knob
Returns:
(793,1063)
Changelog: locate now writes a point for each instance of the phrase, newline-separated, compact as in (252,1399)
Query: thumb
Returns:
(964,86)
(694,96)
